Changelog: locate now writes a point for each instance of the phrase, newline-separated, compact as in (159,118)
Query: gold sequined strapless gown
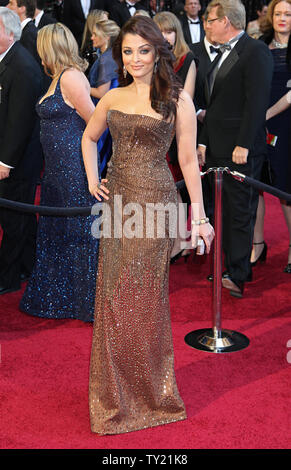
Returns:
(132,380)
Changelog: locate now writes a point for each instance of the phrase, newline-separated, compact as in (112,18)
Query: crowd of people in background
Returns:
(65,56)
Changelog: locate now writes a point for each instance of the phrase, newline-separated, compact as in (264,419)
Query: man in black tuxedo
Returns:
(20,151)
(41,18)
(237,93)
(25,9)
(75,13)
(192,25)
(121,11)
(204,52)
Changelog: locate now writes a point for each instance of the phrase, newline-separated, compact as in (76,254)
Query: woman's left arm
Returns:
(186,143)
(76,92)
(189,84)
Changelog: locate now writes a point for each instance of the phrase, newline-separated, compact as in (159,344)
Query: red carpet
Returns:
(238,400)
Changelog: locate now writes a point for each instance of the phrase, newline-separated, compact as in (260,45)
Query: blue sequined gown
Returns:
(62,284)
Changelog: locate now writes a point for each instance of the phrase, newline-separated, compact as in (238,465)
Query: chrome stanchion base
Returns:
(222,342)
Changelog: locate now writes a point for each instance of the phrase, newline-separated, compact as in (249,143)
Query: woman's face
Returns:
(282,18)
(263,11)
(170,36)
(98,39)
(138,56)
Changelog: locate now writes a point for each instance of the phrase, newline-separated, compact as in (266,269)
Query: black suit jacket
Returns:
(21,86)
(119,12)
(203,62)
(186,30)
(28,39)
(45,20)
(74,18)
(237,107)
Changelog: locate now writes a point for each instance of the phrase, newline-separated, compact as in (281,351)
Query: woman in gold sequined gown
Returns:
(132,380)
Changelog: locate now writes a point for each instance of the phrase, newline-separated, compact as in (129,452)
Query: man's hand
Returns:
(240,155)
(4,172)
(201,154)
(201,115)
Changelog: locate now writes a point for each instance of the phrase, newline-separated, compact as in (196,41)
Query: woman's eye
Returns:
(127,52)
(145,51)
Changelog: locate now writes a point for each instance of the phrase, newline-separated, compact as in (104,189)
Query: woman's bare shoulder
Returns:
(114,96)
(72,74)
(72,77)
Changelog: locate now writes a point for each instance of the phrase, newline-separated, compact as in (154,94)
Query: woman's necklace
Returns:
(278,45)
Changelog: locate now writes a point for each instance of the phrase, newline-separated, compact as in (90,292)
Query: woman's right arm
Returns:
(95,128)
(279,106)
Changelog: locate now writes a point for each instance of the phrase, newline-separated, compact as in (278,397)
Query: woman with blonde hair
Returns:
(103,74)
(185,69)
(103,77)
(87,50)
(62,283)
(277,34)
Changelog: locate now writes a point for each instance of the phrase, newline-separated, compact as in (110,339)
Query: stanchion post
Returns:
(217,254)
(215,339)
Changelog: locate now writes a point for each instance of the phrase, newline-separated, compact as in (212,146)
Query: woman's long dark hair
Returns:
(165,86)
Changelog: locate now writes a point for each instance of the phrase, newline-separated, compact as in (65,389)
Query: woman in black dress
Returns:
(277,35)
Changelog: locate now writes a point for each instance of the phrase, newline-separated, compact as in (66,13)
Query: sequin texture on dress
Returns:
(62,284)
(132,379)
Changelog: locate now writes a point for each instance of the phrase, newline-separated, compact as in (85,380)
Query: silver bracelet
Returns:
(205,220)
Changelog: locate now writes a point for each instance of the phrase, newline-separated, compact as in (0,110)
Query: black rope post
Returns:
(215,339)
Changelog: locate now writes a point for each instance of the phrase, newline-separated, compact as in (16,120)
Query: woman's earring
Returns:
(156,67)
(124,72)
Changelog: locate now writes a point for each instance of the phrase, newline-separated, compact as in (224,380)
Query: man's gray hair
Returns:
(11,22)
(233,9)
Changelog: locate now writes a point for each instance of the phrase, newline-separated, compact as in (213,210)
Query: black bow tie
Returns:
(194,22)
(214,49)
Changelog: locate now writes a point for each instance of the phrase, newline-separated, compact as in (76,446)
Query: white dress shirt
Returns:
(38,18)
(86,7)
(194,29)
(24,22)
(226,53)
(1,58)
(131,8)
